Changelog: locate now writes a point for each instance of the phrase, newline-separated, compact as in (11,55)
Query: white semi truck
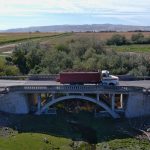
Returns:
(108,79)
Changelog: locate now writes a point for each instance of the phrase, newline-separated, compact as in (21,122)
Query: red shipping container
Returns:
(80,77)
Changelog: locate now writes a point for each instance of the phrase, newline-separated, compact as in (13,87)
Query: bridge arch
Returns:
(99,103)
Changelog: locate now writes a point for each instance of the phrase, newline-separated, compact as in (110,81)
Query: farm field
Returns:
(9,40)
(59,38)
(6,38)
(106,35)
(67,131)
(102,36)
(14,37)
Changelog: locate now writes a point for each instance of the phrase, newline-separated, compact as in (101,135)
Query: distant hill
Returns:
(81,28)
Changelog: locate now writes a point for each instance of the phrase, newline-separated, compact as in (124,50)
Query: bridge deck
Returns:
(6,83)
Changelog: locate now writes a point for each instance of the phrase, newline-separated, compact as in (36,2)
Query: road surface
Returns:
(5,83)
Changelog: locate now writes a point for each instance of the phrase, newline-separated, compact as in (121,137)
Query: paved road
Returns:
(26,82)
(141,83)
(3,83)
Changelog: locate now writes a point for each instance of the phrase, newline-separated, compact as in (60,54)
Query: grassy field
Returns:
(106,35)
(30,141)
(6,38)
(30,132)
(102,37)
(35,141)
(15,37)
(8,41)
(53,39)
(137,48)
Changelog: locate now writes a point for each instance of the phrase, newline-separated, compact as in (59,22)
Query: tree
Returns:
(19,58)
(11,70)
(138,38)
(63,48)
(6,69)
(34,57)
(117,39)
(26,56)
(56,61)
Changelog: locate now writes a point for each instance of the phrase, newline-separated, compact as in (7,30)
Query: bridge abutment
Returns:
(16,103)
(138,104)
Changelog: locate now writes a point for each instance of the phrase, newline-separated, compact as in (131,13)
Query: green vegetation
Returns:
(124,144)
(58,132)
(118,39)
(30,141)
(35,141)
(79,54)
(79,51)
(7,69)
(136,48)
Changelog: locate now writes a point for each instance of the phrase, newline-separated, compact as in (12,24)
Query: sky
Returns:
(26,13)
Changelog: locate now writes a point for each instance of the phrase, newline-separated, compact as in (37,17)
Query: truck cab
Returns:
(108,79)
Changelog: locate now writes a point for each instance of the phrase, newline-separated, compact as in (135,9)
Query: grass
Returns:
(30,141)
(132,48)
(106,35)
(36,141)
(124,144)
(33,130)
(6,38)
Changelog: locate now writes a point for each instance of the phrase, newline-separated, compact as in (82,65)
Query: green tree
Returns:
(34,57)
(56,61)
(138,38)
(6,69)
(11,70)
(117,39)
(19,58)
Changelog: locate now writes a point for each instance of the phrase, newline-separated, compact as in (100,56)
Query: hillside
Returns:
(81,28)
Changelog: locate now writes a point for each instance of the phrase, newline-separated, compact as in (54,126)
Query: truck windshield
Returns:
(105,74)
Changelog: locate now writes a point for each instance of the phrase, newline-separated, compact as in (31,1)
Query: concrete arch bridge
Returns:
(115,100)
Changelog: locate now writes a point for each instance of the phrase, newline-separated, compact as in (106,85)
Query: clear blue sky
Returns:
(25,13)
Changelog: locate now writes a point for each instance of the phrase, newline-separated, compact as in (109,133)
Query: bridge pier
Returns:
(39,104)
(97,97)
(121,100)
(113,102)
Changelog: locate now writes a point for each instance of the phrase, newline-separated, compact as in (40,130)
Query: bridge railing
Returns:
(75,88)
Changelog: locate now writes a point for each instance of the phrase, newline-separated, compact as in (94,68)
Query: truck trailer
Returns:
(103,78)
